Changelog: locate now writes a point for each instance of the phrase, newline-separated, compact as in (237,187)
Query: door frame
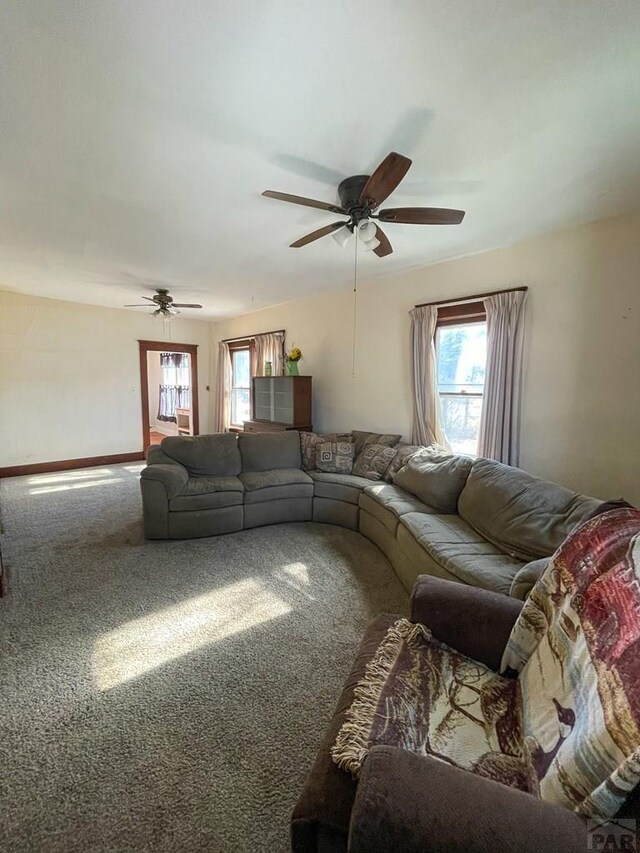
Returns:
(166,346)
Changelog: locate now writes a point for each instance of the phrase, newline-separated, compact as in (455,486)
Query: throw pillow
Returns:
(404,452)
(436,477)
(335,457)
(374,460)
(362,438)
(309,442)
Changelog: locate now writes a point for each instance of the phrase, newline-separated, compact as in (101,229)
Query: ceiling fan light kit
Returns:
(360,196)
(342,237)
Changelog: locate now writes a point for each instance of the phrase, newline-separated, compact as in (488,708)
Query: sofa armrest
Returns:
(418,804)
(526,578)
(475,622)
(174,477)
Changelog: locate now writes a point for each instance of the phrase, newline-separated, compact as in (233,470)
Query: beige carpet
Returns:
(166,696)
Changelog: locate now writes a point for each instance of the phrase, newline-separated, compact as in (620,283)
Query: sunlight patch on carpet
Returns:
(296,576)
(67,487)
(69,476)
(140,646)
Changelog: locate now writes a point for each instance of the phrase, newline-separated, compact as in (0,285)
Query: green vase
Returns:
(292,368)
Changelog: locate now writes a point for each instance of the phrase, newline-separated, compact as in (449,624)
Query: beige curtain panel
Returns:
(268,348)
(224,378)
(427,427)
(500,419)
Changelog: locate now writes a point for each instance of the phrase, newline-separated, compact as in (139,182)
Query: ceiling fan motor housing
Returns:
(161,296)
(349,192)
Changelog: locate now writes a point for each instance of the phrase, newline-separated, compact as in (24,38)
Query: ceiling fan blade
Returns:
(384,248)
(307,202)
(143,305)
(185,305)
(385,179)
(150,298)
(422,215)
(316,235)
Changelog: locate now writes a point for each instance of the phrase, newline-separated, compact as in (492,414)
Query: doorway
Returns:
(169,386)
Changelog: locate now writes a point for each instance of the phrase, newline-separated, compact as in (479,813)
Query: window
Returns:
(461,351)
(240,352)
(175,391)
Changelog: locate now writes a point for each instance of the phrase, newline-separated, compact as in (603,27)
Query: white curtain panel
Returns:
(500,420)
(268,348)
(427,427)
(224,378)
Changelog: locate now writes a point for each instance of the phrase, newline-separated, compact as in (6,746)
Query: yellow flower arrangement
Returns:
(295,354)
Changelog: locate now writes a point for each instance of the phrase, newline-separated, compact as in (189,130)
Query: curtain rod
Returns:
(471,298)
(246,337)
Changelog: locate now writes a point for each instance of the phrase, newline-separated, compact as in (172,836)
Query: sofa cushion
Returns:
(436,477)
(338,487)
(275,485)
(523,515)
(456,546)
(309,441)
(254,480)
(361,438)
(208,493)
(205,485)
(404,452)
(265,451)
(335,457)
(205,455)
(205,500)
(388,503)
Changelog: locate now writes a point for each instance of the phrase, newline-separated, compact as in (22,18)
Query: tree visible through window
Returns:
(461,351)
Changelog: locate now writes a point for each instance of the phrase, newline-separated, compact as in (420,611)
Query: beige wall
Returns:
(581,418)
(70,378)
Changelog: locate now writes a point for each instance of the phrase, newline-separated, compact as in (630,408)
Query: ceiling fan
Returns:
(359,196)
(166,307)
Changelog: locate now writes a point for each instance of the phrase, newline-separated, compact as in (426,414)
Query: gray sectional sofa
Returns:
(474,521)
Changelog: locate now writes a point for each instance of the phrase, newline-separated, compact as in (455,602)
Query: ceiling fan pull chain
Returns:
(355,309)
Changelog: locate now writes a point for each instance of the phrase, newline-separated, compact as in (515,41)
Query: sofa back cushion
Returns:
(521,514)
(435,476)
(214,455)
(263,451)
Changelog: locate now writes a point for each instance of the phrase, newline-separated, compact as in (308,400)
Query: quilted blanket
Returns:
(562,722)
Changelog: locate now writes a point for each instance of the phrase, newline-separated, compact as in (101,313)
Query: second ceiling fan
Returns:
(360,196)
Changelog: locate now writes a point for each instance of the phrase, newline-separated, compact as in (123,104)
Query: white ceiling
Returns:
(137,136)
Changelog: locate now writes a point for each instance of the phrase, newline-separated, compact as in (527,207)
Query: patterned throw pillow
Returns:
(309,442)
(374,460)
(363,438)
(404,452)
(335,457)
